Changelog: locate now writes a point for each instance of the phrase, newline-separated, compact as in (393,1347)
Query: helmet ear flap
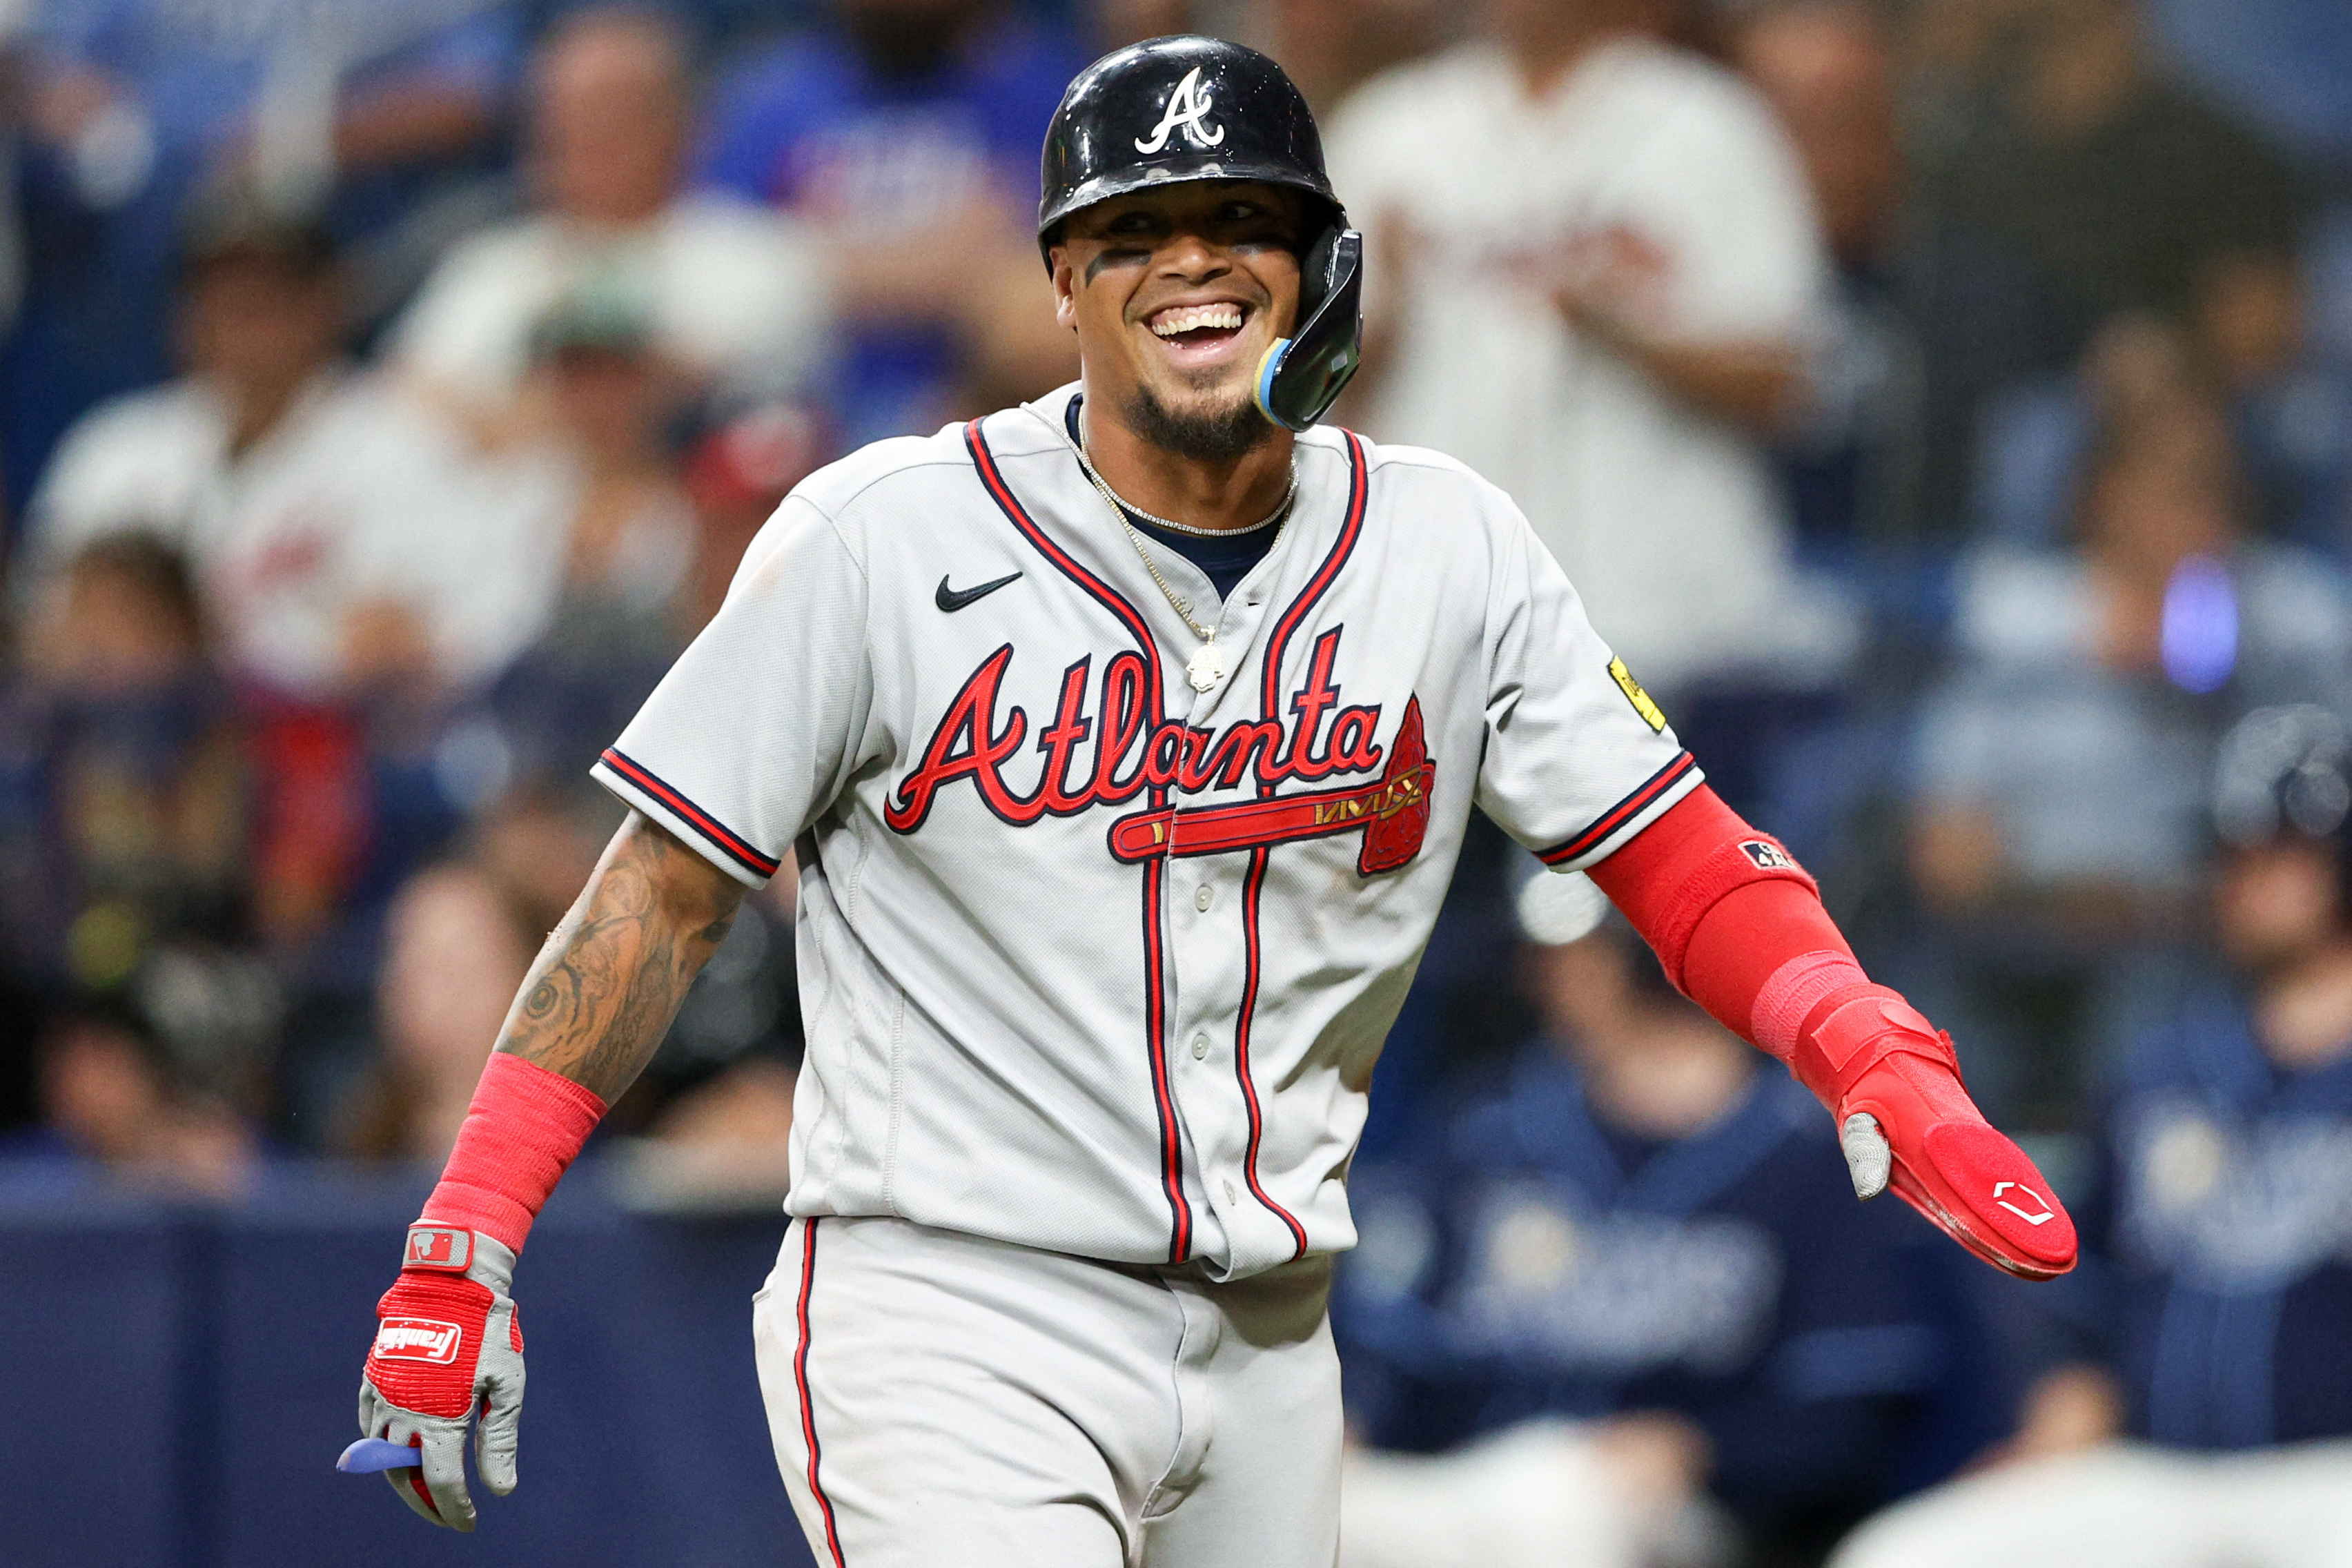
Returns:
(1303,374)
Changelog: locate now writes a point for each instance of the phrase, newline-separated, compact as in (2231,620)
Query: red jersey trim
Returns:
(1653,789)
(734,846)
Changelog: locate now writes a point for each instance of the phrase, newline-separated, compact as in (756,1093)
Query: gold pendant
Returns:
(1205,668)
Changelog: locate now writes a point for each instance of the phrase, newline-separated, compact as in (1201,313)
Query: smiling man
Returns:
(1126,739)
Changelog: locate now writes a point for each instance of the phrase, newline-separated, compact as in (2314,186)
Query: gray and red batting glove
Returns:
(447,1348)
(447,1351)
(1904,1119)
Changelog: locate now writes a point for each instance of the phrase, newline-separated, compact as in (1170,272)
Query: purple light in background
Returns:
(2200,624)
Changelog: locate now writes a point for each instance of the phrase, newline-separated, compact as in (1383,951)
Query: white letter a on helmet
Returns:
(1188,106)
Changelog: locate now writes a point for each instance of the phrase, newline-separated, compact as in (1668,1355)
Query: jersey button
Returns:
(1204,897)
(1200,1047)
(1231,1197)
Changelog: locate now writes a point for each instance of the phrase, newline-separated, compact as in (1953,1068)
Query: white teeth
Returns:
(1191,318)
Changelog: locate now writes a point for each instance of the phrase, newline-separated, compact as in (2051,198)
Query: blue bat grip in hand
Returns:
(368,1454)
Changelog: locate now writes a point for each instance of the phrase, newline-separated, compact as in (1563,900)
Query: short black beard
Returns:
(1225,436)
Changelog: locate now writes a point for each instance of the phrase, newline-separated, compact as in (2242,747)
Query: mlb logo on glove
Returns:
(439,1246)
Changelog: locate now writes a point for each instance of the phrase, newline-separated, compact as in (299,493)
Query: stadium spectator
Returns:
(1847,461)
(601,579)
(455,952)
(1327,48)
(333,526)
(736,475)
(128,794)
(2068,183)
(641,545)
(460,937)
(1595,276)
(727,289)
(111,1097)
(2290,401)
(1634,1267)
(612,407)
(132,107)
(2059,763)
(2205,1414)
(906,134)
(1600,256)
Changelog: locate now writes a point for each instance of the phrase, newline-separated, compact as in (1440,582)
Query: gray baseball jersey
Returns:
(1093,962)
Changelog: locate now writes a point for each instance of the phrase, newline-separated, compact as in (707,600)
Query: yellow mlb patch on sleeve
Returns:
(1650,713)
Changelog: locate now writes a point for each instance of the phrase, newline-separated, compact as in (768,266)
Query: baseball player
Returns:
(1125,741)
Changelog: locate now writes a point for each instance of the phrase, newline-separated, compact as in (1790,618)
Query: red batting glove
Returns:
(1893,1083)
(447,1348)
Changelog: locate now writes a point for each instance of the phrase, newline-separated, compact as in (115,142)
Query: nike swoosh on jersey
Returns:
(954,599)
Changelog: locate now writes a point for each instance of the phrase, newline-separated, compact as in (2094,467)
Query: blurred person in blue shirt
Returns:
(906,132)
(126,796)
(117,1106)
(2288,392)
(2204,1413)
(2058,838)
(1629,1274)
(135,105)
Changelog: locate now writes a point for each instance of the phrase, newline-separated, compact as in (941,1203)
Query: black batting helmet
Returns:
(1170,111)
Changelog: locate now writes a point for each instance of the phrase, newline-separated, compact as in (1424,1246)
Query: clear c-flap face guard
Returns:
(1302,375)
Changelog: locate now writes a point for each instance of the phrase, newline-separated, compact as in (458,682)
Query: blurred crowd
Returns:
(1945,406)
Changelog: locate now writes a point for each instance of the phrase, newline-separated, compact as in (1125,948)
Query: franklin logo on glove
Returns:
(418,1339)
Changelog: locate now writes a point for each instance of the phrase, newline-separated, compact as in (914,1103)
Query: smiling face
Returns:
(1176,294)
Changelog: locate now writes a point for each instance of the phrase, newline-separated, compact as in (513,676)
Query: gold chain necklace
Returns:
(1207,665)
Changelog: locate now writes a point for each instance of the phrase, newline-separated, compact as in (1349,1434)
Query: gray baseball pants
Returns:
(937,1398)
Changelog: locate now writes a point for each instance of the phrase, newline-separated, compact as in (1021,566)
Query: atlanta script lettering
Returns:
(1101,749)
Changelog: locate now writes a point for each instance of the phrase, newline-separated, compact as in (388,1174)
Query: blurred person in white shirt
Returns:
(1597,264)
(332,523)
(732,291)
(594,582)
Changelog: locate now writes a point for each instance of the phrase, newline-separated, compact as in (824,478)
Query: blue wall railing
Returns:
(176,1382)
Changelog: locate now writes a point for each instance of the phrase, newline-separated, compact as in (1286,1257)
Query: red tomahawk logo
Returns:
(1393,813)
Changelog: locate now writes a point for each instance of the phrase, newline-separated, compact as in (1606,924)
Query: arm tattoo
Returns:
(601,996)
